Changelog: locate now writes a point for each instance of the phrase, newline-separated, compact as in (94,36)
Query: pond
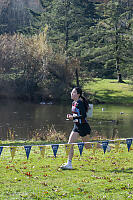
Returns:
(27,118)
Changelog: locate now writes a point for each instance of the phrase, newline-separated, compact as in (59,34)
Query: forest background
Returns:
(47,51)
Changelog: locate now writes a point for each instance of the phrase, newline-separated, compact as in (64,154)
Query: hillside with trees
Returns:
(61,43)
(14,14)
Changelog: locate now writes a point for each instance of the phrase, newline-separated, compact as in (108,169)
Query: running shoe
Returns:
(66,166)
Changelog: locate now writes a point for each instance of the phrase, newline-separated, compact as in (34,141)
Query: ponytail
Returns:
(79,91)
(85,103)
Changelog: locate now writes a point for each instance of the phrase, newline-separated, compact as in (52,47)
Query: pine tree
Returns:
(112,34)
(68,21)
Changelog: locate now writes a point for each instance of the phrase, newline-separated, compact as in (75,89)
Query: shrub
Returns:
(29,66)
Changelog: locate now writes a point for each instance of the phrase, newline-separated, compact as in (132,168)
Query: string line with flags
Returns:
(80,145)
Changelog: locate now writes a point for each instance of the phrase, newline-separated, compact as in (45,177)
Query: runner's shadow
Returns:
(129,170)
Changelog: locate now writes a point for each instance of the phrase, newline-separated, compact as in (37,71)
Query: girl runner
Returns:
(81,126)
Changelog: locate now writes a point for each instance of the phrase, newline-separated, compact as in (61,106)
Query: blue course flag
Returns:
(1,148)
(55,149)
(27,150)
(129,142)
(80,146)
(104,145)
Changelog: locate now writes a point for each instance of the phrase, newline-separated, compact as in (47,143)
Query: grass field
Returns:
(96,176)
(110,91)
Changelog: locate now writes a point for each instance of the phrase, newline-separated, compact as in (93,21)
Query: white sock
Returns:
(69,162)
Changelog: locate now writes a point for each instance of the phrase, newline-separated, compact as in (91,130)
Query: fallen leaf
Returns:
(45,192)
(44,183)
(45,175)
(28,174)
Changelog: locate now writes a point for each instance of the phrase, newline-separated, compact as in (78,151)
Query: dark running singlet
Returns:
(79,118)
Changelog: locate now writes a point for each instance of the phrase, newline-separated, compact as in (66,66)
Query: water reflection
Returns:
(26,118)
(115,119)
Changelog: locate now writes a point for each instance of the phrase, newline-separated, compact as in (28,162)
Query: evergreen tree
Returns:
(98,37)
(109,39)
(68,21)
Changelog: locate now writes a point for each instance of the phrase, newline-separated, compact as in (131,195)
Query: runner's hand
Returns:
(69,116)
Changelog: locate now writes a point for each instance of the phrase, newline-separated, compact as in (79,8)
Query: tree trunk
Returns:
(77,77)
(119,76)
(66,24)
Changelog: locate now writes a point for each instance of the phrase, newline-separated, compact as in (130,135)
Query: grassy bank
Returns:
(110,91)
(96,176)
